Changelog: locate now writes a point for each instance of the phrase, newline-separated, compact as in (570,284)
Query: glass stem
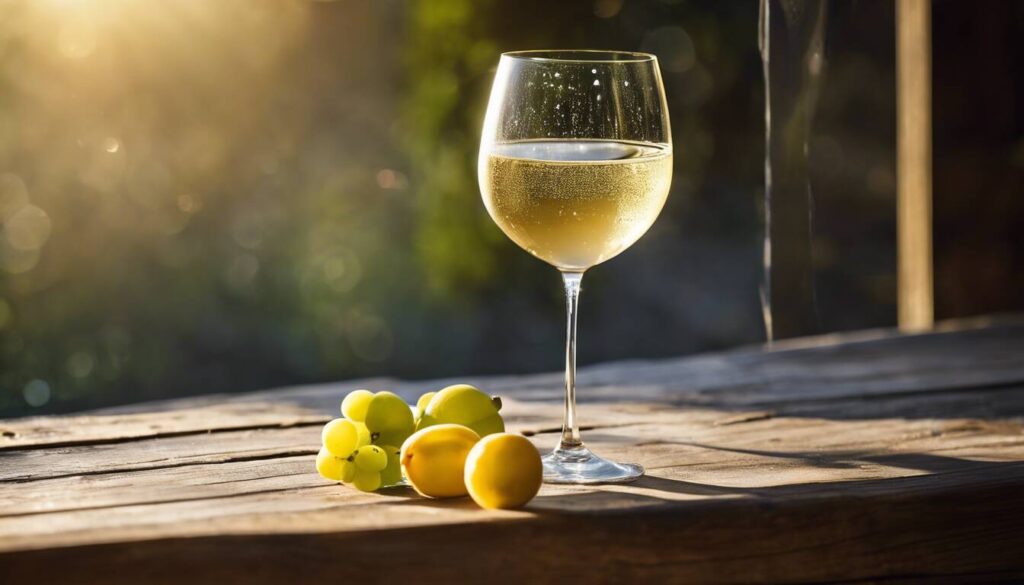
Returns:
(570,426)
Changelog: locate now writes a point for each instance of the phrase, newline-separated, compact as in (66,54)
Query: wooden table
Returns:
(857,458)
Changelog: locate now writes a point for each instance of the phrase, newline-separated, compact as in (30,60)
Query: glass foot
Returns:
(579,465)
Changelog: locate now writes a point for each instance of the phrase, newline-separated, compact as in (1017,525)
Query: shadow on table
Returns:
(929,462)
(940,474)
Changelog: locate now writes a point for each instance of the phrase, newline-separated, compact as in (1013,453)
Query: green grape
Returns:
(371,458)
(392,474)
(341,437)
(363,434)
(348,471)
(366,480)
(424,400)
(389,419)
(330,466)
(393,437)
(355,404)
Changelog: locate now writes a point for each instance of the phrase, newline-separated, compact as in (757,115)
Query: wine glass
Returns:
(575,165)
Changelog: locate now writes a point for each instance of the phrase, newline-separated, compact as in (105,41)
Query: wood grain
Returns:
(876,458)
(93,430)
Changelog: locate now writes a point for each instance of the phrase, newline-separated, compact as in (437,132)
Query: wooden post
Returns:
(914,165)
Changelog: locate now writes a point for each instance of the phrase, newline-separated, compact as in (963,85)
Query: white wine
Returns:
(575,203)
(559,180)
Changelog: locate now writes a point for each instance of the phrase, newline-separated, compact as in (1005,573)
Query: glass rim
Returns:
(580,56)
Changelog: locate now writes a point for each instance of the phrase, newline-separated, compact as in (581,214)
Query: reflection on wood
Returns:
(914,206)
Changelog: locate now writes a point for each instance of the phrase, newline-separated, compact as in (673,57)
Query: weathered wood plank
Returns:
(91,430)
(676,446)
(26,465)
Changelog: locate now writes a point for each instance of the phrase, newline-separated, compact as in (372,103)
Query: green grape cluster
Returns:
(362,447)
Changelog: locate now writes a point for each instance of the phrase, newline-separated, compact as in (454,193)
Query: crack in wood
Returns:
(744,418)
(128,469)
(157,502)
(168,434)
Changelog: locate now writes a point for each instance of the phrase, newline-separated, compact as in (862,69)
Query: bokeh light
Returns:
(28,228)
(36,393)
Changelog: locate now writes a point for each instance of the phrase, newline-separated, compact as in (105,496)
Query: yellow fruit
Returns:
(354,406)
(421,405)
(392,474)
(466,405)
(362,434)
(503,471)
(433,460)
(340,436)
(424,401)
(331,466)
(348,472)
(365,480)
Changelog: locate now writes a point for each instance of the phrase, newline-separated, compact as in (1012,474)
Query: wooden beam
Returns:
(914,165)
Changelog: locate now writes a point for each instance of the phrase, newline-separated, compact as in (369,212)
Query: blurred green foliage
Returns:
(205,197)
(449,56)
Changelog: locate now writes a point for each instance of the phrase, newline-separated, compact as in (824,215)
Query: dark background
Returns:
(221,196)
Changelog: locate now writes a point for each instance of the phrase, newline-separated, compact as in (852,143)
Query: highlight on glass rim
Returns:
(677,291)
